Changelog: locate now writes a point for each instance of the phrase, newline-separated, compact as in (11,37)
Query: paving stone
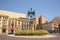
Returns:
(5,37)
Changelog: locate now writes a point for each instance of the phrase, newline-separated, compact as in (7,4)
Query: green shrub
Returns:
(30,32)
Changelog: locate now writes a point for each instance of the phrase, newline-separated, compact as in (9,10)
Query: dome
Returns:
(56,20)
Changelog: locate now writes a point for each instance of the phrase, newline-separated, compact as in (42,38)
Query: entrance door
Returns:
(3,30)
(12,31)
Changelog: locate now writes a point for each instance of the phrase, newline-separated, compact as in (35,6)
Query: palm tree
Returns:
(31,14)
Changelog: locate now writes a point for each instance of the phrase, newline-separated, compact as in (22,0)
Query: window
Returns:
(22,27)
(12,23)
(5,22)
(28,26)
(0,17)
(20,23)
(4,26)
(5,17)
(0,22)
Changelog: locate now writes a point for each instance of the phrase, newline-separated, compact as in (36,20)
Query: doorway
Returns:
(11,31)
(3,30)
(59,28)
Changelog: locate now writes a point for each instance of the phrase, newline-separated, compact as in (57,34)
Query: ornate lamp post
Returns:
(31,14)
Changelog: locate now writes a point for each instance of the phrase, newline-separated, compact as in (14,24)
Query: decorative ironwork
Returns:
(31,14)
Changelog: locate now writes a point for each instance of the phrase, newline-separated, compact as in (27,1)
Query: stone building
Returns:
(8,21)
(4,23)
(11,21)
(23,23)
(50,26)
(39,21)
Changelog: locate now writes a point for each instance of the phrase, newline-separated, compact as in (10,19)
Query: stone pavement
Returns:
(39,36)
(11,37)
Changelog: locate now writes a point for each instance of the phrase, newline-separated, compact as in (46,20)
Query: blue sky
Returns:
(47,8)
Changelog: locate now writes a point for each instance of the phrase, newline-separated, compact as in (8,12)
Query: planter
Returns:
(30,32)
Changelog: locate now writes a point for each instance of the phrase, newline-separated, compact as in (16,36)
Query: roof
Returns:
(56,20)
(12,14)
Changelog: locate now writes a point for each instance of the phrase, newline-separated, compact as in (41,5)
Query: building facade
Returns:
(40,21)
(3,23)
(51,27)
(9,21)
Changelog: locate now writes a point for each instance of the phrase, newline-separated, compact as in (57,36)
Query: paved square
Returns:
(5,37)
